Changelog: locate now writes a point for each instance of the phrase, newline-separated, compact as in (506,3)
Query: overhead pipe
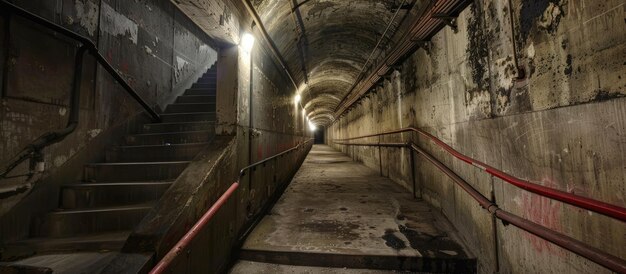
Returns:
(297,20)
(273,48)
(421,30)
(369,58)
(603,208)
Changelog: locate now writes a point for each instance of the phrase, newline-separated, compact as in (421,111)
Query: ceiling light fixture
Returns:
(247,42)
(312,126)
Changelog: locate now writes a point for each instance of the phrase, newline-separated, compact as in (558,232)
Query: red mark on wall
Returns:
(124,66)
(546,212)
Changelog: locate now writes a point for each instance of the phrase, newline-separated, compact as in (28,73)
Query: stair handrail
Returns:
(600,207)
(594,254)
(185,241)
(33,150)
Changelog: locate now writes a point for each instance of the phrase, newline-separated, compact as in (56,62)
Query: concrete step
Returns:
(195,99)
(149,153)
(201,136)
(203,86)
(65,223)
(178,127)
(134,172)
(188,117)
(245,267)
(31,246)
(64,263)
(86,195)
(200,91)
(207,79)
(362,261)
(190,107)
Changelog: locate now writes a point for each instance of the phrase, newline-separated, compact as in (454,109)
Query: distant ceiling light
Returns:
(312,126)
(247,42)
(297,98)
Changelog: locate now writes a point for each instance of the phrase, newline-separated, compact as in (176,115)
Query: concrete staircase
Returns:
(99,212)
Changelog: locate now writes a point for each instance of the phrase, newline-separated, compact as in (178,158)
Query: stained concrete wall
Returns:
(255,106)
(156,48)
(562,126)
(160,52)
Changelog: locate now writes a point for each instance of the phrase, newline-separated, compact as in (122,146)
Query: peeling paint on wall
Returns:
(87,14)
(181,66)
(118,24)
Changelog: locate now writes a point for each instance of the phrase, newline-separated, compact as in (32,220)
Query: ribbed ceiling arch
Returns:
(337,36)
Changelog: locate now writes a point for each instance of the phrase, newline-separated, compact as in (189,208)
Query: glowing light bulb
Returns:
(247,42)
(312,126)
(297,98)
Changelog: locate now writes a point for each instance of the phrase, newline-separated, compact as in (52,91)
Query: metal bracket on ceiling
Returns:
(449,20)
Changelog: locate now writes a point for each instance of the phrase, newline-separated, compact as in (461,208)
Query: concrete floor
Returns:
(340,213)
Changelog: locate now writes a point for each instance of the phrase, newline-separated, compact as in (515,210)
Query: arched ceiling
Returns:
(326,42)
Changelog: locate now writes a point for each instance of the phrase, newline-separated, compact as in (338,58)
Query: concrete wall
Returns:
(155,47)
(255,106)
(562,126)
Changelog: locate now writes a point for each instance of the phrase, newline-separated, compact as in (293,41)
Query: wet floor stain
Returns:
(391,240)
(438,245)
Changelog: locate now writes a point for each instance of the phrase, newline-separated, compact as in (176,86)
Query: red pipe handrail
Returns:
(585,250)
(607,209)
(185,241)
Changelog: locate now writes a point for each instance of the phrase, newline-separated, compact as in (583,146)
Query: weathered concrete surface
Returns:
(208,14)
(75,263)
(152,45)
(561,126)
(327,43)
(335,207)
(160,52)
(245,267)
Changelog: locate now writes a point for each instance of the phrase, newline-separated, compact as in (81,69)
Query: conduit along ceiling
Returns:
(326,43)
(332,48)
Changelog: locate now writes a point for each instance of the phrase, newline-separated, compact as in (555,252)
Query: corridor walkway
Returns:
(338,213)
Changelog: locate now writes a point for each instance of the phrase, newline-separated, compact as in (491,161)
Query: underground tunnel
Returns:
(312,136)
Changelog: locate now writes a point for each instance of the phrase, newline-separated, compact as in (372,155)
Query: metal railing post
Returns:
(600,207)
(380,158)
(413,171)
(585,250)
